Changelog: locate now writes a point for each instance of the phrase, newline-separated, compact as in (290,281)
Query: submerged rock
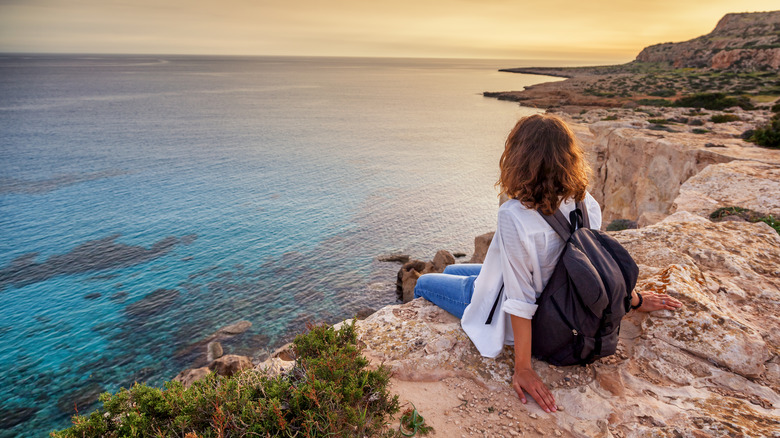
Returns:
(235,328)
(10,417)
(400,258)
(153,303)
(93,255)
(80,400)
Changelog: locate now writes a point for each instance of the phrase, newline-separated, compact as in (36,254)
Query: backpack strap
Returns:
(558,223)
(585,219)
(578,219)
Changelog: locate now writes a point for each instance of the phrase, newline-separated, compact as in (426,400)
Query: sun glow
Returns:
(599,30)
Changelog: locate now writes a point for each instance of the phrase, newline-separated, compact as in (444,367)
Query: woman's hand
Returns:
(527,379)
(652,301)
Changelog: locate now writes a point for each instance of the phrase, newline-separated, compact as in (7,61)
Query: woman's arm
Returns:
(525,378)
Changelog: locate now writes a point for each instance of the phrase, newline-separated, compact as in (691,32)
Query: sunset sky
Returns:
(590,31)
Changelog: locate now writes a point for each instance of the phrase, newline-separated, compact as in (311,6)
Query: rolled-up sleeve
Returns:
(516,267)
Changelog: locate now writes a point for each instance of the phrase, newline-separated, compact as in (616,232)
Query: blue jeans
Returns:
(450,290)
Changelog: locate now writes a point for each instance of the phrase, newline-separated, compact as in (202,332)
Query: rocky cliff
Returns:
(709,369)
(747,41)
(643,160)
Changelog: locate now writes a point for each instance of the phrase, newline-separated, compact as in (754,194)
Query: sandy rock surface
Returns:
(709,369)
(748,184)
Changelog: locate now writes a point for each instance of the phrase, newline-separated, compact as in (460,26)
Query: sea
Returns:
(148,201)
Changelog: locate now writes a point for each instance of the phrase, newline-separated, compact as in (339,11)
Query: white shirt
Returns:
(522,256)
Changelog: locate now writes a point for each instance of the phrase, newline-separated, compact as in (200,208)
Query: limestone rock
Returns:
(235,328)
(407,278)
(748,184)
(481,245)
(274,366)
(395,257)
(214,350)
(639,174)
(230,364)
(413,269)
(709,369)
(285,353)
(442,259)
(191,375)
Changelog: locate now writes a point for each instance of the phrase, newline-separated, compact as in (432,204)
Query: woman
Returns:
(542,168)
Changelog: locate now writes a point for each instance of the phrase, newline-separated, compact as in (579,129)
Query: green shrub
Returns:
(663,92)
(723,118)
(768,135)
(655,102)
(329,392)
(746,214)
(700,131)
(660,121)
(621,224)
(714,101)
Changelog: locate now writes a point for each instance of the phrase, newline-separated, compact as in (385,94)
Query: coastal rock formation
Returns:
(639,168)
(747,41)
(191,375)
(413,269)
(481,245)
(224,366)
(709,369)
(747,184)
(230,364)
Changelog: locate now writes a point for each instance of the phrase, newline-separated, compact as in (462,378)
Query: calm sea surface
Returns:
(145,202)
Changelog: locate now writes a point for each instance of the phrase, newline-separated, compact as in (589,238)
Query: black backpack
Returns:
(589,292)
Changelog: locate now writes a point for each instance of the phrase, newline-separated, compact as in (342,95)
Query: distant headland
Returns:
(741,56)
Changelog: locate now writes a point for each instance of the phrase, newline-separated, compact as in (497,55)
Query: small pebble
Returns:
(560,408)
(532,415)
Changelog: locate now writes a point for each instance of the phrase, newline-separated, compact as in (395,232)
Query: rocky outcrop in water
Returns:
(747,41)
(413,269)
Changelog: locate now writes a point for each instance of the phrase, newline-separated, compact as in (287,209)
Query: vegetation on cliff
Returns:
(329,392)
(747,215)
(768,135)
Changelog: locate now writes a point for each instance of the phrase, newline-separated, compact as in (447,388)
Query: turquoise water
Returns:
(146,202)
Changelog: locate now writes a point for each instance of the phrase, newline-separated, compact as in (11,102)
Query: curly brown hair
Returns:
(543,164)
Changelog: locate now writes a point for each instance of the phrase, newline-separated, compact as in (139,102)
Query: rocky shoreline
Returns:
(710,369)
